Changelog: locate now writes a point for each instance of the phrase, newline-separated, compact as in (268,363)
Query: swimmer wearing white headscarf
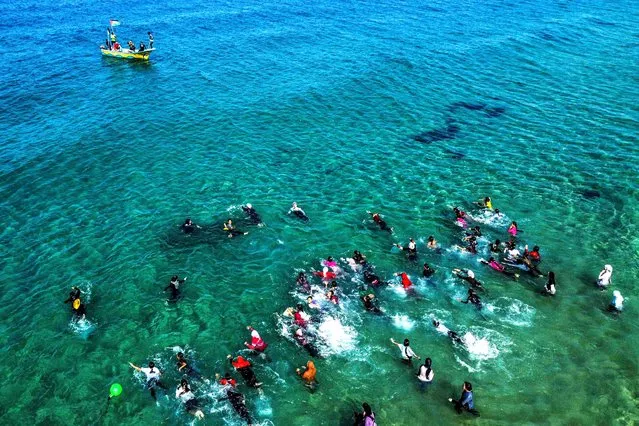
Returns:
(616,305)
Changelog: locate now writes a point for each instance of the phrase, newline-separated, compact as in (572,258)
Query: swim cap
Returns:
(608,268)
(471,274)
(616,293)
(76,303)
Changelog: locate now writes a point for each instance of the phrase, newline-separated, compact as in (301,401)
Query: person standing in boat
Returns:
(150,39)
(113,38)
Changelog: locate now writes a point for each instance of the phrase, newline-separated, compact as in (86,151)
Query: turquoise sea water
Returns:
(274,102)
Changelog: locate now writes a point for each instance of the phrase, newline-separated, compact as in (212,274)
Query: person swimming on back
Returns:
(252,214)
(427,272)
(174,286)
(380,222)
(257,343)
(472,298)
(191,404)
(243,366)
(411,249)
(498,267)
(297,211)
(369,305)
(188,227)
(231,230)
(469,277)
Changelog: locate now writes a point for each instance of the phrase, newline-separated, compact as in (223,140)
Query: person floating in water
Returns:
(425,374)
(153,375)
(252,214)
(472,298)
(366,417)
(243,366)
(297,211)
(230,229)
(308,374)
(605,277)
(445,330)
(616,305)
(184,367)
(257,343)
(427,272)
(301,339)
(189,227)
(469,276)
(191,405)
(549,289)
(411,249)
(499,267)
(369,305)
(174,287)
(407,351)
(380,222)
(237,400)
(432,243)
(302,282)
(465,402)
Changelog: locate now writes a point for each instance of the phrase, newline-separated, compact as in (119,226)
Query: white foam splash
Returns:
(403,322)
(338,338)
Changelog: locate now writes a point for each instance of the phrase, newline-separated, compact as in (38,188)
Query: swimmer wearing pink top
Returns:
(512,229)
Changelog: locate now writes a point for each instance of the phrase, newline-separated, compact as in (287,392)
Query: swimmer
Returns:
(73,295)
(300,338)
(230,229)
(486,203)
(331,286)
(498,213)
(460,217)
(533,254)
(427,272)
(425,374)
(325,274)
(372,279)
(498,267)
(238,402)
(298,212)
(380,222)
(445,330)
(312,303)
(605,277)
(512,229)
(432,243)
(359,258)
(308,374)
(474,232)
(465,402)
(472,245)
(227,380)
(300,317)
(406,350)
(406,282)
(257,343)
(153,375)
(616,305)
(469,276)
(185,394)
(184,367)
(549,288)
(243,366)
(495,247)
(411,249)
(472,298)
(252,214)
(331,297)
(303,282)
(174,286)
(79,309)
(369,305)
(366,417)
(512,253)
(188,227)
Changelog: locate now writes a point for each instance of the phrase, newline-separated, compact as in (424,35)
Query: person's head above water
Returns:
(184,384)
(368,411)
(436,323)
(249,205)
(188,221)
(491,259)
(406,342)
(151,364)
(174,278)
(487,200)
(180,355)
(431,239)
(468,386)
(470,274)
(428,362)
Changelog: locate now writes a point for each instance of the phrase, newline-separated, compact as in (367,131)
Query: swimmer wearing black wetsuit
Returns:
(252,214)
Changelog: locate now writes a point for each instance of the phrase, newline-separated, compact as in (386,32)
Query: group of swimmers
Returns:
(508,256)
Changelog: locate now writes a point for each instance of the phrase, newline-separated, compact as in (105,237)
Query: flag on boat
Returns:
(114,22)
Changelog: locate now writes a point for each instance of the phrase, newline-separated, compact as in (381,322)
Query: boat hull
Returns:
(127,54)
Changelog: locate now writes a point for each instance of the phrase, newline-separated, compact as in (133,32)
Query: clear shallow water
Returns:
(276,102)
